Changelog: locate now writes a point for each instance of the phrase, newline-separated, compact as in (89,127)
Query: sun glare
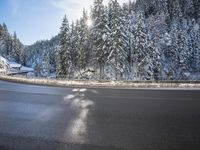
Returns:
(89,22)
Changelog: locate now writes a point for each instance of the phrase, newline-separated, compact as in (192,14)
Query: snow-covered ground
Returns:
(98,84)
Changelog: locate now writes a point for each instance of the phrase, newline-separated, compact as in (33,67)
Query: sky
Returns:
(40,19)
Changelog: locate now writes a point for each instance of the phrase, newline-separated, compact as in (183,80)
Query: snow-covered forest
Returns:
(10,46)
(142,40)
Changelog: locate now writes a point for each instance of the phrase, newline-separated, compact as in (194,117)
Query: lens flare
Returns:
(89,22)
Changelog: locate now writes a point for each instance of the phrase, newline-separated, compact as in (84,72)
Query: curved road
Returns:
(52,118)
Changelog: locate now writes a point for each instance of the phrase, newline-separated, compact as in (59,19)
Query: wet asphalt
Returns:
(55,118)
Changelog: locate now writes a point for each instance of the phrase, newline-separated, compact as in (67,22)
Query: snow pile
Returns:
(98,84)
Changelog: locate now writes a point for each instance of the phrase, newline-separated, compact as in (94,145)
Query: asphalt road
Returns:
(50,118)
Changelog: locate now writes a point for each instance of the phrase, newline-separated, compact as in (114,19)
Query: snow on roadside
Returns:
(97,84)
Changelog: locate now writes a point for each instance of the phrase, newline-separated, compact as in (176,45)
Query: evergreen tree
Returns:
(163,7)
(197,52)
(154,65)
(1,32)
(184,55)
(46,67)
(7,42)
(172,53)
(128,18)
(74,46)
(100,35)
(175,10)
(64,56)
(188,8)
(194,47)
(118,42)
(82,47)
(139,47)
(17,51)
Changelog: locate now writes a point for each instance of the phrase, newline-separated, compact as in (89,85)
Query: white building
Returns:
(14,67)
(7,67)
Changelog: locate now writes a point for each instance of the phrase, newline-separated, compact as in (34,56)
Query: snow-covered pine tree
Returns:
(157,34)
(172,53)
(64,56)
(118,40)
(15,48)
(6,43)
(46,67)
(163,7)
(165,46)
(128,35)
(154,65)
(82,47)
(74,45)
(197,54)
(175,10)
(1,32)
(52,48)
(139,48)
(194,46)
(196,9)
(100,35)
(188,8)
(17,51)
(1,39)
(184,53)
(157,27)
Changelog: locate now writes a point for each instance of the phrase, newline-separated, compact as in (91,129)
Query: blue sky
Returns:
(40,19)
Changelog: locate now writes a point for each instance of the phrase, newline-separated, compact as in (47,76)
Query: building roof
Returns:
(14,65)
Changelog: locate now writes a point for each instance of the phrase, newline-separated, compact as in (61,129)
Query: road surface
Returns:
(52,118)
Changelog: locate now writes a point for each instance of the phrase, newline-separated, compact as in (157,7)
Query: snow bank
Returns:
(97,84)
